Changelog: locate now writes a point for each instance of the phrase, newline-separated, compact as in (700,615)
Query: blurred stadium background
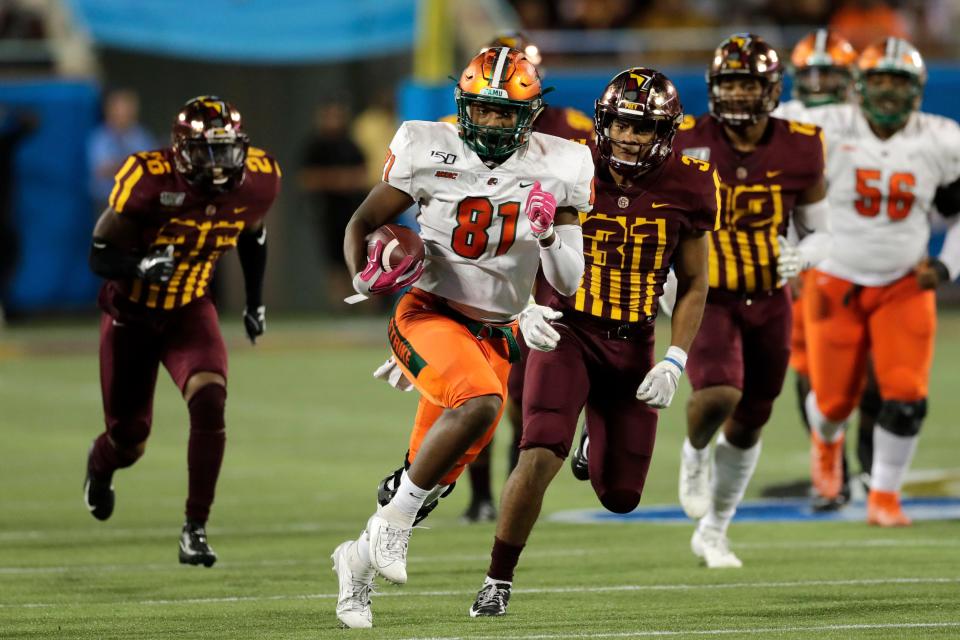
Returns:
(301,467)
(285,63)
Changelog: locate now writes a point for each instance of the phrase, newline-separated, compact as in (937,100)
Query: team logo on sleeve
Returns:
(698,153)
(172,198)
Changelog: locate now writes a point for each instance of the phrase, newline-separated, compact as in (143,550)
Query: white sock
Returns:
(732,469)
(892,455)
(363,548)
(489,580)
(402,509)
(693,455)
(828,430)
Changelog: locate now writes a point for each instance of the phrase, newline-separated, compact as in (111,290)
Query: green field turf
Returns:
(310,434)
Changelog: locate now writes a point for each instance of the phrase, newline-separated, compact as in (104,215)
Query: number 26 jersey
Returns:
(480,250)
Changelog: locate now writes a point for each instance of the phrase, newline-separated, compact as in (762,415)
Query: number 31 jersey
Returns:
(480,251)
(881,191)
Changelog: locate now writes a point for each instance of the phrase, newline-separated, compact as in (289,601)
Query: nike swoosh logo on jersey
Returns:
(239,209)
(774,174)
(524,186)
(657,205)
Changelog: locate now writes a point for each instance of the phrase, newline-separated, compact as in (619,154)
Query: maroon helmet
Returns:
(645,97)
(209,145)
(744,55)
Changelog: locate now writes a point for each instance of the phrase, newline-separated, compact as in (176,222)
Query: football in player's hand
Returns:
(398,243)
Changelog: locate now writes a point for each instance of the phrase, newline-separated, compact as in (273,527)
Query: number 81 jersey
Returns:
(480,250)
(881,191)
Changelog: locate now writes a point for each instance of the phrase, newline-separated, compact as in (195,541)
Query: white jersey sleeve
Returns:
(481,255)
(791,110)
(945,135)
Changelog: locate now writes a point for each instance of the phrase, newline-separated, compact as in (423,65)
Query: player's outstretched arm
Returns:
(692,285)
(252,250)
(382,205)
(116,254)
(660,383)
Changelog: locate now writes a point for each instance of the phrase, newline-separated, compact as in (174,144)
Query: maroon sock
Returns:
(205,449)
(104,457)
(503,560)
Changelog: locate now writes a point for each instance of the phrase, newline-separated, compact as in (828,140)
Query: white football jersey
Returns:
(480,251)
(791,110)
(881,191)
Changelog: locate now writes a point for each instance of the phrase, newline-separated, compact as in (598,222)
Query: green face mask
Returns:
(491,142)
(889,107)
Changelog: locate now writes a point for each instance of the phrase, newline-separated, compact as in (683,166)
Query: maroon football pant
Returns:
(744,343)
(186,341)
(591,368)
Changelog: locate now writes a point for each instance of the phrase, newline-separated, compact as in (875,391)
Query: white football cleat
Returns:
(695,493)
(353,603)
(388,548)
(713,547)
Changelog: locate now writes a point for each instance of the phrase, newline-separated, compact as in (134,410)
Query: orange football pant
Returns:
(798,339)
(895,324)
(449,364)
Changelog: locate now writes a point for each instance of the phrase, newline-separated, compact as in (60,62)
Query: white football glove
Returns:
(390,373)
(661,381)
(791,262)
(668,299)
(535,327)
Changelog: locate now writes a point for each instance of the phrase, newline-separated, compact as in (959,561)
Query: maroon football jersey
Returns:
(200,225)
(567,123)
(631,234)
(759,190)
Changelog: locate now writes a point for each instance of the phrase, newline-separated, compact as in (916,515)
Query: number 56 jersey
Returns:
(480,250)
(881,191)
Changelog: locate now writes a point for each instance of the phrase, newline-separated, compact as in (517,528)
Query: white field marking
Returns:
(479,557)
(321,560)
(448,558)
(540,590)
(710,632)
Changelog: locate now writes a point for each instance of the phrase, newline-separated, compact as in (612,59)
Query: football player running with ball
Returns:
(770,168)
(888,166)
(496,202)
(653,208)
(172,214)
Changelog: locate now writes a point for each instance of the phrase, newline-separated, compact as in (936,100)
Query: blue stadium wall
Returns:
(54,216)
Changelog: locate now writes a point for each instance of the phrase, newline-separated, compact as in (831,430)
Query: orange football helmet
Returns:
(822,65)
(503,79)
(891,76)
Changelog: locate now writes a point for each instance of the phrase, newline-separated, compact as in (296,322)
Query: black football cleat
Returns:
(98,496)
(480,511)
(491,600)
(578,461)
(194,548)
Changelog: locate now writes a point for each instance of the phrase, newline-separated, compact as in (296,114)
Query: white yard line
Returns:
(475,557)
(469,592)
(707,632)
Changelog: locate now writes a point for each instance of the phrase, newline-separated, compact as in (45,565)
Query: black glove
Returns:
(157,266)
(255,322)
